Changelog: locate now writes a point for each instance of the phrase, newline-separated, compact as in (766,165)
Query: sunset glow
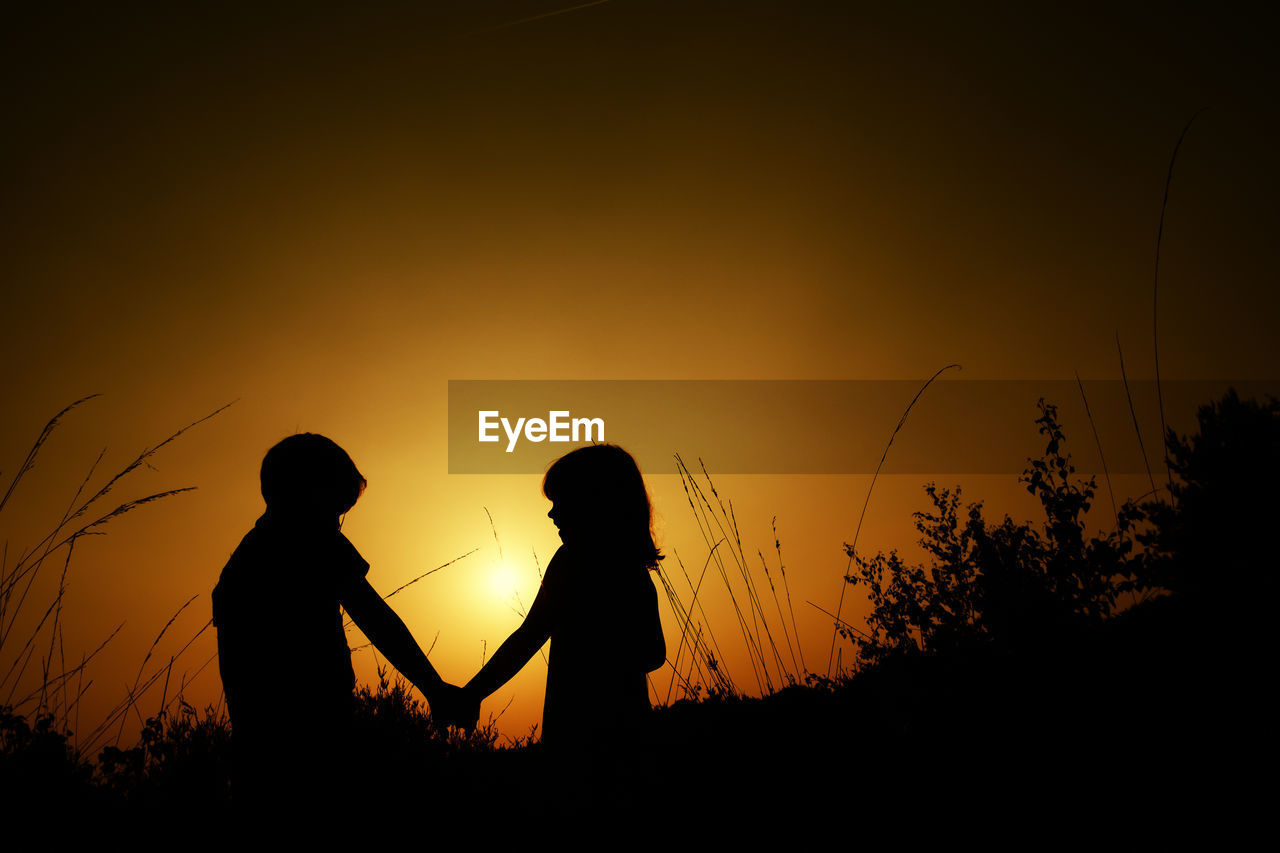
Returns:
(327,222)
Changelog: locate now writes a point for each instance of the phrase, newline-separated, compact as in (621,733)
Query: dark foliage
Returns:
(1212,541)
(1006,584)
(181,761)
(38,766)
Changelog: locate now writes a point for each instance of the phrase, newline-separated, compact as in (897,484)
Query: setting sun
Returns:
(502,581)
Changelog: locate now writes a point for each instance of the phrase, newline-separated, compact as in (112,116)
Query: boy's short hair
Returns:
(312,472)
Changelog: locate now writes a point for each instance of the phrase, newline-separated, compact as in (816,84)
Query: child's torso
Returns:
(277,607)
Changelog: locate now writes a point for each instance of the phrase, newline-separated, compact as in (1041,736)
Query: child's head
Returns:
(597,494)
(307,474)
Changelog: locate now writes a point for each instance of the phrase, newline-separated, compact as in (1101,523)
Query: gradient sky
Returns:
(326,215)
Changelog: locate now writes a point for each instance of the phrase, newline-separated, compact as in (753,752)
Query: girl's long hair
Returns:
(607,477)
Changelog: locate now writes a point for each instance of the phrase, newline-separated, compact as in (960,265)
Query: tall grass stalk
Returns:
(782,568)
(848,626)
(61,687)
(140,689)
(753,595)
(685,615)
(778,604)
(863,515)
(703,655)
(772,665)
(724,522)
(1134,414)
(142,667)
(1115,509)
(704,527)
(1155,292)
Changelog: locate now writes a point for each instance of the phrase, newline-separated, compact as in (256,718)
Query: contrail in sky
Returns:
(540,17)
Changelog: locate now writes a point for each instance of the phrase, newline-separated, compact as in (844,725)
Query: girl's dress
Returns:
(601,616)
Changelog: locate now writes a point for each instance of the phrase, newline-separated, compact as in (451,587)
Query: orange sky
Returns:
(328,217)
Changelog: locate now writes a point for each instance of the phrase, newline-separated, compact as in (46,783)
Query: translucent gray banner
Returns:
(818,426)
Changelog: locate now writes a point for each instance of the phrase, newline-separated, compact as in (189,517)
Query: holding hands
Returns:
(455,706)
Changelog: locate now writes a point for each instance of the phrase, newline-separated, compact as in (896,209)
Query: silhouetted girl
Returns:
(597,604)
(282,649)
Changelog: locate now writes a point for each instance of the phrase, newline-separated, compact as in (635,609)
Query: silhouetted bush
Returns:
(1007,584)
(38,766)
(182,761)
(1213,540)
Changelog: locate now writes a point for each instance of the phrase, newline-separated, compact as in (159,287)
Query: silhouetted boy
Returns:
(282,649)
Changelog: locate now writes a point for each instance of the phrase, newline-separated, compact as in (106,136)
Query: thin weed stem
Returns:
(1155,292)
(1137,430)
(1105,472)
(863,515)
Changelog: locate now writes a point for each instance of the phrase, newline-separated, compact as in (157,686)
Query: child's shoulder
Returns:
(237,575)
(249,551)
(575,564)
(568,558)
(346,559)
(561,568)
(266,551)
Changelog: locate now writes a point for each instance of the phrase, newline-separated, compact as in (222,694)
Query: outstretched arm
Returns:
(386,631)
(515,651)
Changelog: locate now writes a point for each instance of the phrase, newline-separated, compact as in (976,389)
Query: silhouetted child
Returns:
(282,649)
(599,608)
